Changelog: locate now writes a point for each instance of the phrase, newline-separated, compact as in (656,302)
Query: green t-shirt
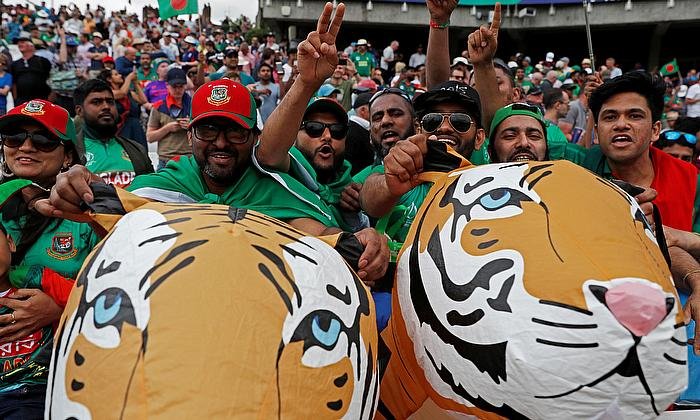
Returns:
(278,195)
(364,63)
(62,247)
(397,222)
(329,193)
(109,161)
(151,75)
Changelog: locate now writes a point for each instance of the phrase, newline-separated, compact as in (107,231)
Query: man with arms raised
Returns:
(223,131)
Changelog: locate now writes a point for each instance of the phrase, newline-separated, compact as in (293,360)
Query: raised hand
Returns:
(317,55)
(441,10)
(404,162)
(483,42)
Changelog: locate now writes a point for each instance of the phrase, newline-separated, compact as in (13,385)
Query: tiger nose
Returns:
(638,307)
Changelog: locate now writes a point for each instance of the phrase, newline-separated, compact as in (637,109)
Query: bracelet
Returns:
(436,25)
(696,271)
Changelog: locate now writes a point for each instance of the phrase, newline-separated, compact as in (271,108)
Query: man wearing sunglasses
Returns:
(223,130)
(449,114)
(678,144)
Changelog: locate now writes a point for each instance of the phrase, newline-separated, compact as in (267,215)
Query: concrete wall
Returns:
(642,12)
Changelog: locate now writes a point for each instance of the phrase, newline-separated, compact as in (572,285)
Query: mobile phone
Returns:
(576,134)
(342,61)
(279,68)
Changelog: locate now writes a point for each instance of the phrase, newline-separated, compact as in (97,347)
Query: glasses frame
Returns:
(304,125)
(54,143)
(676,135)
(219,130)
(449,120)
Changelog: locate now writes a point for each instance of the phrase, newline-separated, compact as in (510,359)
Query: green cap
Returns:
(518,108)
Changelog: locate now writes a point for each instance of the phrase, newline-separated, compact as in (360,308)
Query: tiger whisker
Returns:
(569,345)
(564,325)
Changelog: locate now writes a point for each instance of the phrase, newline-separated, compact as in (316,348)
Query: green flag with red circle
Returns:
(670,68)
(169,8)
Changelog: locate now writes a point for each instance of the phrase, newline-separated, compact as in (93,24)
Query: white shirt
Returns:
(387,57)
(416,60)
(693,110)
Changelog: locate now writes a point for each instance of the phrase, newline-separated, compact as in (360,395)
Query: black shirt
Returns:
(30,78)
(97,64)
(358,147)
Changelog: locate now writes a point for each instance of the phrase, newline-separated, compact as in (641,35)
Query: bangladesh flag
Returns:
(670,68)
(169,8)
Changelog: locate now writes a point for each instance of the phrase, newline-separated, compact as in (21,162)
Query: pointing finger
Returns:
(496,23)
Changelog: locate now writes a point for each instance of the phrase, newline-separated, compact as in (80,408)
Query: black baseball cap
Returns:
(362,99)
(176,76)
(454,92)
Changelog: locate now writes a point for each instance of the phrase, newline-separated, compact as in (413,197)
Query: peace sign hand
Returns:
(483,42)
(317,55)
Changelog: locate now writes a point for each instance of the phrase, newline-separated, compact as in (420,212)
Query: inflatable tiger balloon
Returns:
(532,290)
(206,311)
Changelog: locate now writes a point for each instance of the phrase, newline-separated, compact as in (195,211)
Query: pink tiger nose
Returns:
(640,308)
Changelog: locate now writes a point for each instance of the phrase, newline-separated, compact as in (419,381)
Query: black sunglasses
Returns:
(42,142)
(210,132)
(521,106)
(316,129)
(392,91)
(459,121)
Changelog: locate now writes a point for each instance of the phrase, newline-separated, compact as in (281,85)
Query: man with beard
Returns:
(115,159)
(449,114)
(518,133)
(223,131)
(169,117)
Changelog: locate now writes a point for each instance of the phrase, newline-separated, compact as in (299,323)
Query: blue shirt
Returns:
(5,81)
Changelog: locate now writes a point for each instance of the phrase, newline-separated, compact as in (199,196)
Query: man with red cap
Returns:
(223,130)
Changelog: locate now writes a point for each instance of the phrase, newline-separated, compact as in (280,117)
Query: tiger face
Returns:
(209,311)
(538,290)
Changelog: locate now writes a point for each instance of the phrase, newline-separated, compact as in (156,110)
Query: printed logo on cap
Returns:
(219,96)
(33,108)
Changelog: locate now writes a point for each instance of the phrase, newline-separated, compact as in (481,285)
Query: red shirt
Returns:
(675,181)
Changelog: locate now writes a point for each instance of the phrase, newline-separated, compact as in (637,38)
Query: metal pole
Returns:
(588,35)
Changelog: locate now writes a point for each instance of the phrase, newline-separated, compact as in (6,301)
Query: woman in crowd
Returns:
(129,97)
(46,254)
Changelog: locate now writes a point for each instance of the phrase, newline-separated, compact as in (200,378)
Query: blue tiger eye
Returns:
(326,337)
(102,314)
(491,203)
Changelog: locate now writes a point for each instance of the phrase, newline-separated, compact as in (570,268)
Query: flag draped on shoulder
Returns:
(669,68)
(169,8)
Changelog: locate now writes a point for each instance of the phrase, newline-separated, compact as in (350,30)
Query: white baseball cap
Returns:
(549,56)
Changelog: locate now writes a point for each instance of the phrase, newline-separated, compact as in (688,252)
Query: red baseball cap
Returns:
(224,98)
(108,59)
(52,117)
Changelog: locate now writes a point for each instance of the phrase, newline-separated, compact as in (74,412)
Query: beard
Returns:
(102,130)
(381,150)
(221,175)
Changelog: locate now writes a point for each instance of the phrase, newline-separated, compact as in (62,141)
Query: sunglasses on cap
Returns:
(459,121)
(210,132)
(393,91)
(42,142)
(316,129)
(676,135)
(521,106)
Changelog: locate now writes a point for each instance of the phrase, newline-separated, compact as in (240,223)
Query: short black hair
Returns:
(552,96)
(652,88)
(266,65)
(92,85)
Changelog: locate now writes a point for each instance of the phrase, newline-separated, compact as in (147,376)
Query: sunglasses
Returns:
(316,129)
(521,106)
(42,142)
(459,121)
(392,91)
(210,132)
(676,135)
